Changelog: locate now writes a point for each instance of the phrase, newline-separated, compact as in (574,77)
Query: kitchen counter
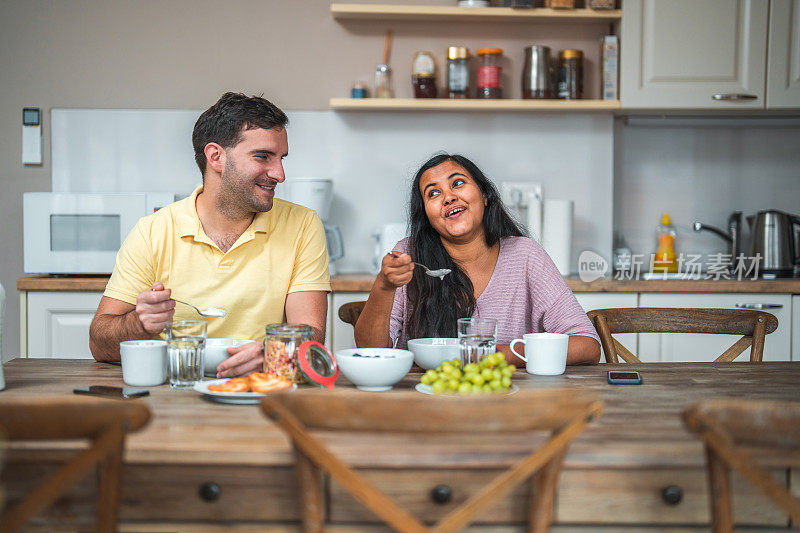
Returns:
(363,283)
(637,447)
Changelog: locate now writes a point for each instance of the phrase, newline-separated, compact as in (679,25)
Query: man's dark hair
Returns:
(224,122)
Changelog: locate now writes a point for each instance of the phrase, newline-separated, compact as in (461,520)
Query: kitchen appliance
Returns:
(386,237)
(734,235)
(80,233)
(316,194)
(774,236)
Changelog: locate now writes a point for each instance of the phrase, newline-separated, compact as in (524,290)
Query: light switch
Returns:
(31,136)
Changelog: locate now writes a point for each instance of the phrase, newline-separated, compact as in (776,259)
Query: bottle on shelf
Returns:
(457,72)
(423,75)
(665,260)
(490,73)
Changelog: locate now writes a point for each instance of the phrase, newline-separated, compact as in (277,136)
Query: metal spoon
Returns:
(211,312)
(439,273)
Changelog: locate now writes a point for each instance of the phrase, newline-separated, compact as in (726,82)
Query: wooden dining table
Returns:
(203,465)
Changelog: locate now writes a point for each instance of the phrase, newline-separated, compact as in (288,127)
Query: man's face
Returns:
(252,170)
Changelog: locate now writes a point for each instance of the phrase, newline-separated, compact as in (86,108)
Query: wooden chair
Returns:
(350,312)
(563,413)
(728,425)
(104,422)
(752,325)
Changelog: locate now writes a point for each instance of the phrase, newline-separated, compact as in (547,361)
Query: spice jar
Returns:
(423,75)
(490,73)
(570,74)
(280,349)
(457,72)
(359,90)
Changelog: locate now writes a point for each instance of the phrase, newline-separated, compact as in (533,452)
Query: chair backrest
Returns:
(104,422)
(564,413)
(401,411)
(728,425)
(752,325)
(350,312)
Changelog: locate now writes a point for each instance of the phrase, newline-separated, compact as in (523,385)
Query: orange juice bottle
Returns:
(665,259)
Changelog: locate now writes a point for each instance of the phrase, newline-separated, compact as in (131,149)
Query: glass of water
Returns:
(477,338)
(186,343)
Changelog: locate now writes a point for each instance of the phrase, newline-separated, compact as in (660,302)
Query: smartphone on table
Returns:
(112,392)
(624,377)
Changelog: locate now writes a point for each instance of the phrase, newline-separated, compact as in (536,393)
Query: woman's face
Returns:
(453,201)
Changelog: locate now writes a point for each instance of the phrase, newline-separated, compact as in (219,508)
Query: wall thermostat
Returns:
(31,136)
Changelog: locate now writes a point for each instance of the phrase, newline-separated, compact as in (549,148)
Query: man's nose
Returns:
(277,173)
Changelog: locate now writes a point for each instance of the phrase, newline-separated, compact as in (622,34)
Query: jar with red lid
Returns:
(490,73)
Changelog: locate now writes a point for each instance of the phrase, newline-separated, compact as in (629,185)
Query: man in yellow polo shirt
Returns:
(230,245)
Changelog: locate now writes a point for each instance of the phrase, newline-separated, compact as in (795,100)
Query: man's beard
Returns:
(236,199)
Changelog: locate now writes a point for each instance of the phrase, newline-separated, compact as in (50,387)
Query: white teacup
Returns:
(546,353)
(144,362)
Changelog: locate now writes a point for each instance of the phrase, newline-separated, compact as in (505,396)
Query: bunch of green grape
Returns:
(492,374)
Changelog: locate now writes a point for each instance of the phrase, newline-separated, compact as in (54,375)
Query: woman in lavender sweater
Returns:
(458,222)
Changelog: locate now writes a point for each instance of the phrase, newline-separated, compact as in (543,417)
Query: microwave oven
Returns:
(77,233)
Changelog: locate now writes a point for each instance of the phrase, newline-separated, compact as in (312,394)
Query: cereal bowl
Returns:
(217,352)
(431,352)
(374,369)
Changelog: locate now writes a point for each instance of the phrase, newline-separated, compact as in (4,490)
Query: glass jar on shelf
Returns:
(423,75)
(457,72)
(383,82)
(570,74)
(490,73)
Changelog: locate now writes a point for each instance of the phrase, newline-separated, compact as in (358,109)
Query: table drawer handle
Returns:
(759,306)
(210,492)
(672,495)
(441,494)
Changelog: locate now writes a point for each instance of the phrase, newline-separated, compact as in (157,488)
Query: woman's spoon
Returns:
(439,273)
(211,312)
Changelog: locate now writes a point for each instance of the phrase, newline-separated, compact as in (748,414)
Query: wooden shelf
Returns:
(452,13)
(446,104)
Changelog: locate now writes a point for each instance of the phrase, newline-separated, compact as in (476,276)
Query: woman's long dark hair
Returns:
(436,305)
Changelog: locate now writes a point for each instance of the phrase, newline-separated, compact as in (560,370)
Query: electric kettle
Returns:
(774,236)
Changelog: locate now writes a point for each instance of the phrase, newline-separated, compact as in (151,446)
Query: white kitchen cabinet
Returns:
(683,347)
(607,300)
(342,331)
(680,53)
(58,323)
(783,65)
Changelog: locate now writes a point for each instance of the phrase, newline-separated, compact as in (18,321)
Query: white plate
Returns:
(240,398)
(426,389)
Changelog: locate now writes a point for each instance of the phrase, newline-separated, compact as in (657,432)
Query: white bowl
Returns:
(431,352)
(374,369)
(217,352)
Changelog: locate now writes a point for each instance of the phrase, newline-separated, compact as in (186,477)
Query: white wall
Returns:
(702,173)
(371,158)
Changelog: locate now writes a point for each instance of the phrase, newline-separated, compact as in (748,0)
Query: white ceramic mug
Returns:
(144,362)
(545,353)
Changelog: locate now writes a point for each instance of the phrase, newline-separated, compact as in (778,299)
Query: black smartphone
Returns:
(624,377)
(112,392)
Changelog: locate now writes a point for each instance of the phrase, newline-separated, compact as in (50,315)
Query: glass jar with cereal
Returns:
(280,349)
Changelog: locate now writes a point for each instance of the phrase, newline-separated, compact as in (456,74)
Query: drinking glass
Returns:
(477,338)
(186,343)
